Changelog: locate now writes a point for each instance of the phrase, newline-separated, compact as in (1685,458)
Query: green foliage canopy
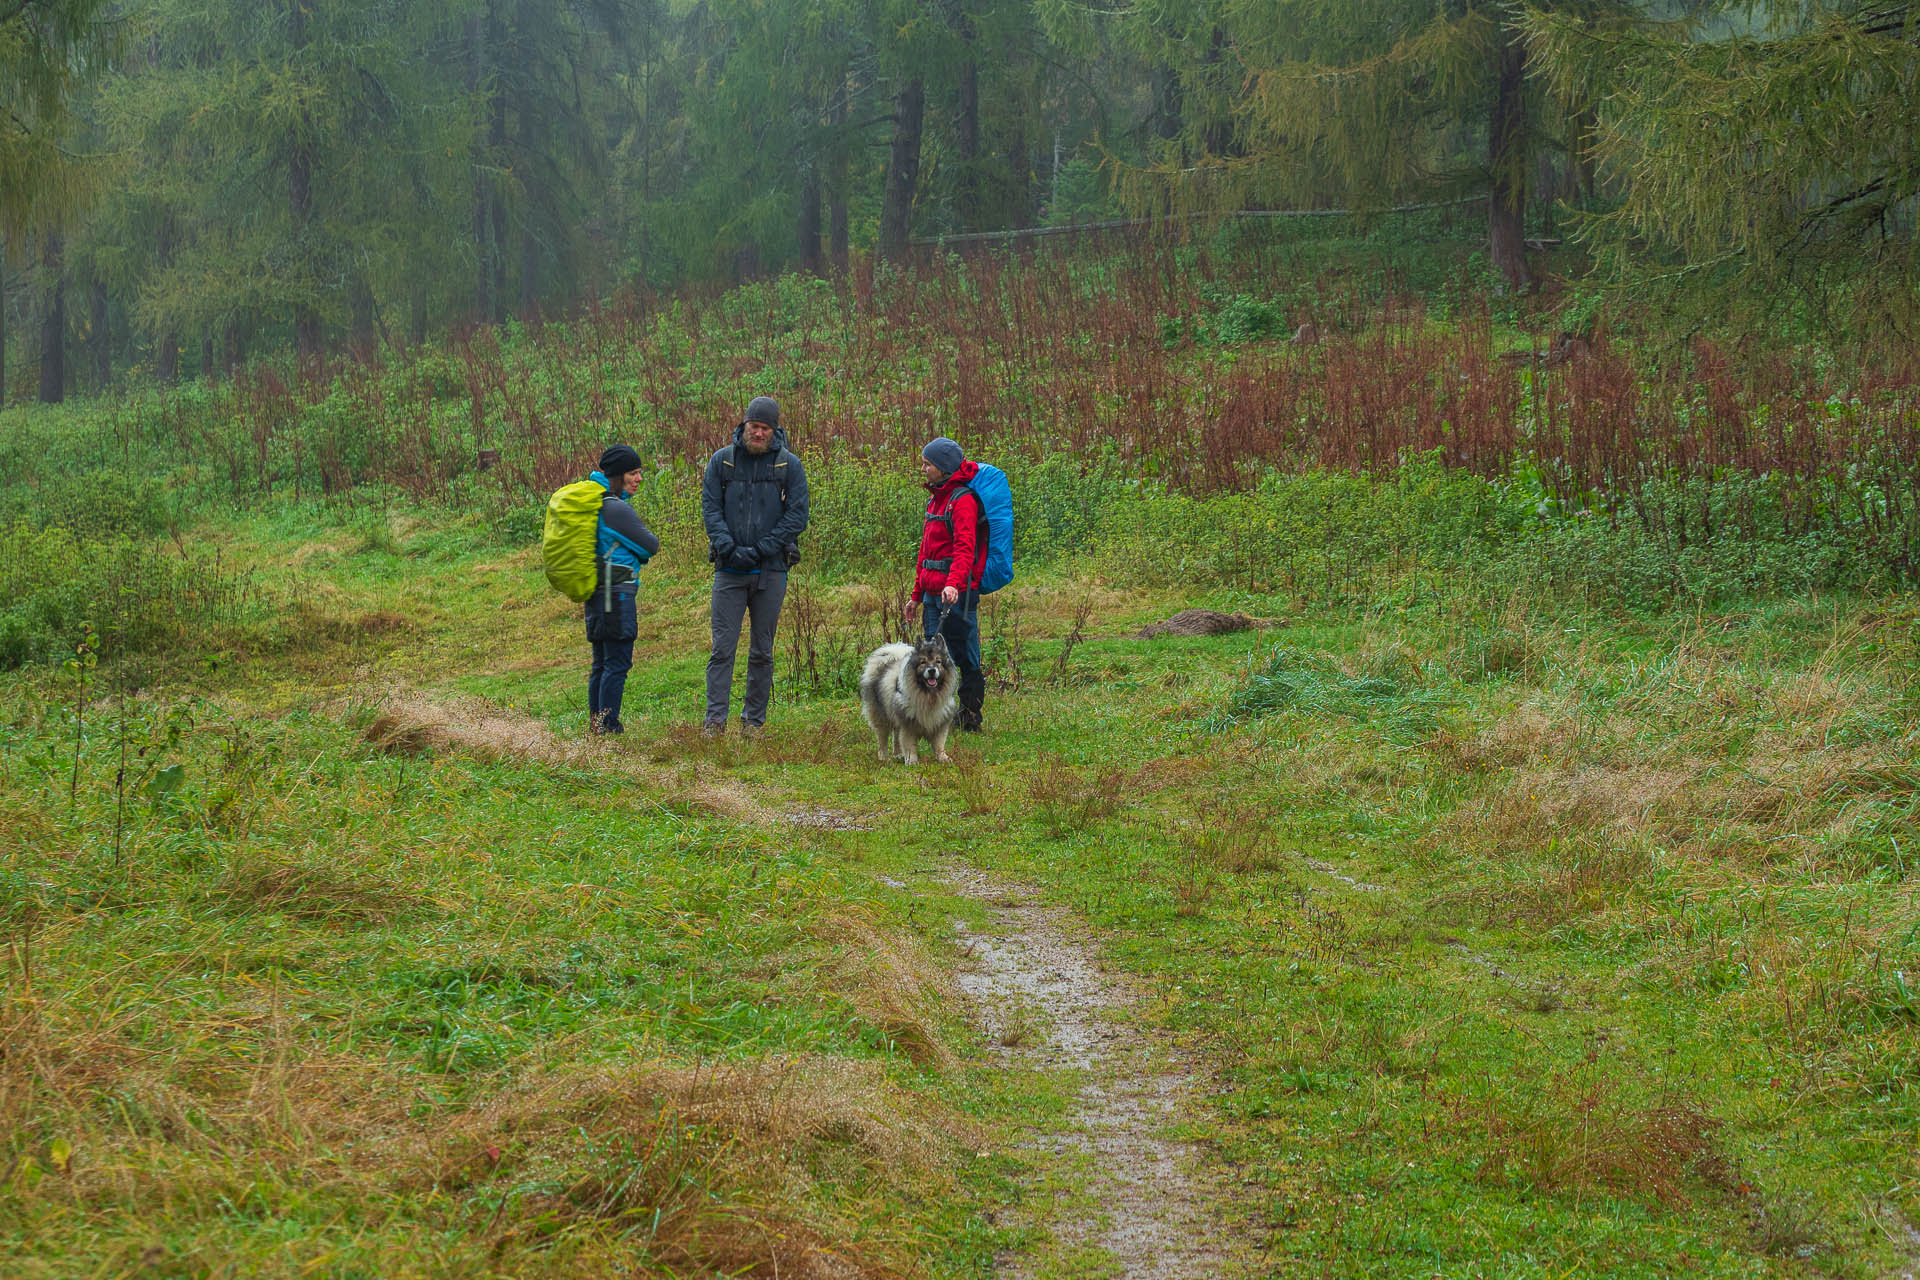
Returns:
(1753,163)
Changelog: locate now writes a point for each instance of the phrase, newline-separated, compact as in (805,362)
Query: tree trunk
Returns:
(526,146)
(206,356)
(529,269)
(967,138)
(1165,86)
(236,345)
(810,256)
(1581,127)
(837,222)
(1019,176)
(482,242)
(1216,139)
(360,306)
(903,170)
(1507,166)
(306,322)
(497,200)
(53,324)
(99,323)
(167,362)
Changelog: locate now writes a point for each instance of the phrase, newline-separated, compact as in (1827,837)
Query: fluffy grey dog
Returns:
(907,693)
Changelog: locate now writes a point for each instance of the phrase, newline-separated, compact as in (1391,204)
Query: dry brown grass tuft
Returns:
(837,740)
(890,984)
(382,622)
(1236,837)
(1720,761)
(687,741)
(684,1169)
(706,1165)
(241,1079)
(309,891)
(1066,800)
(409,723)
(971,783)
(1172,773)
(1576,1133)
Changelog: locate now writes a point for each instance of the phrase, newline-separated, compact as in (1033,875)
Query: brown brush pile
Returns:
(1201,622)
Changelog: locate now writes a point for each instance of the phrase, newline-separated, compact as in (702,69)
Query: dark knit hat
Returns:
(944,454)
(763,409)
(617,461)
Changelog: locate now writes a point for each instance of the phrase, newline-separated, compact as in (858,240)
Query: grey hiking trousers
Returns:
(737,596)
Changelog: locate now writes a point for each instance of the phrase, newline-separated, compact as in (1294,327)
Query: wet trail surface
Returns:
(1147,1200)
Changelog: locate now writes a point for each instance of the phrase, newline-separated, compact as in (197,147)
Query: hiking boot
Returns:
(970,722)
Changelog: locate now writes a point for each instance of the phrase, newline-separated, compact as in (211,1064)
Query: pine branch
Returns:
(1887,20)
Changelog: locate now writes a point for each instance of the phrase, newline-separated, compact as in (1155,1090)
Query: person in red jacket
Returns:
(947,582)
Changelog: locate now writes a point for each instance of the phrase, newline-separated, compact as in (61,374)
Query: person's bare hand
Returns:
(950,596)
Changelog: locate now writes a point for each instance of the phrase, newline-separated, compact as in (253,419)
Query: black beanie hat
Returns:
(617,461)
(763,409)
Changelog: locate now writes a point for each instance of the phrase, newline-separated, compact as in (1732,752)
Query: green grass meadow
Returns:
(1516,937)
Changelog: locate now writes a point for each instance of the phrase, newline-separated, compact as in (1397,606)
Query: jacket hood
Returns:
(612,488)
(779,437)
(968,470)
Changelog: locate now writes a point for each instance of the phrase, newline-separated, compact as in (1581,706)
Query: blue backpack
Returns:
(996,501)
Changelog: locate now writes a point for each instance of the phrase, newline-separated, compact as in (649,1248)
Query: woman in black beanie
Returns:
(623,544)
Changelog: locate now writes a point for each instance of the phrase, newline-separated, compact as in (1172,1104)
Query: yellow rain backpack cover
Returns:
(569,544)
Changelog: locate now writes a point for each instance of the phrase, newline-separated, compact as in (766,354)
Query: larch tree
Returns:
(1368,103)
(49,49)
(1772,158)
(289,165)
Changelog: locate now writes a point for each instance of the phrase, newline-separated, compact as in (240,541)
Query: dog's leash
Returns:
(945,611)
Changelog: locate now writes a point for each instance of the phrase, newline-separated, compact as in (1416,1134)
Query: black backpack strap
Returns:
(981,534)
(946,517)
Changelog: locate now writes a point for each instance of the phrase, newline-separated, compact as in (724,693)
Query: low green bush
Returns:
(140,596)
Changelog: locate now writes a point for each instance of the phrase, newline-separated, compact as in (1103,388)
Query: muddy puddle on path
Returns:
(1133,1200)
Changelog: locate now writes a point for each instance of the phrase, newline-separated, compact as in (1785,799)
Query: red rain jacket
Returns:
(951,535)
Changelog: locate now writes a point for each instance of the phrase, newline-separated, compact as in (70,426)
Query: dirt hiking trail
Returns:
(1137,1202)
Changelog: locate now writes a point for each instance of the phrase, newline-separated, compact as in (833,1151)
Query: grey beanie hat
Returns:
(944,454)
(763,409)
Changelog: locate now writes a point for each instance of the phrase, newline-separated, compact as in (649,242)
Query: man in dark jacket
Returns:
(754,500)
(947,574)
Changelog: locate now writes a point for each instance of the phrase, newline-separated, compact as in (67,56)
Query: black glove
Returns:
(744,559)
(718,549)
(772,552)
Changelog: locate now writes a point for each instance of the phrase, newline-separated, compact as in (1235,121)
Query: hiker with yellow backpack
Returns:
(593,547)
